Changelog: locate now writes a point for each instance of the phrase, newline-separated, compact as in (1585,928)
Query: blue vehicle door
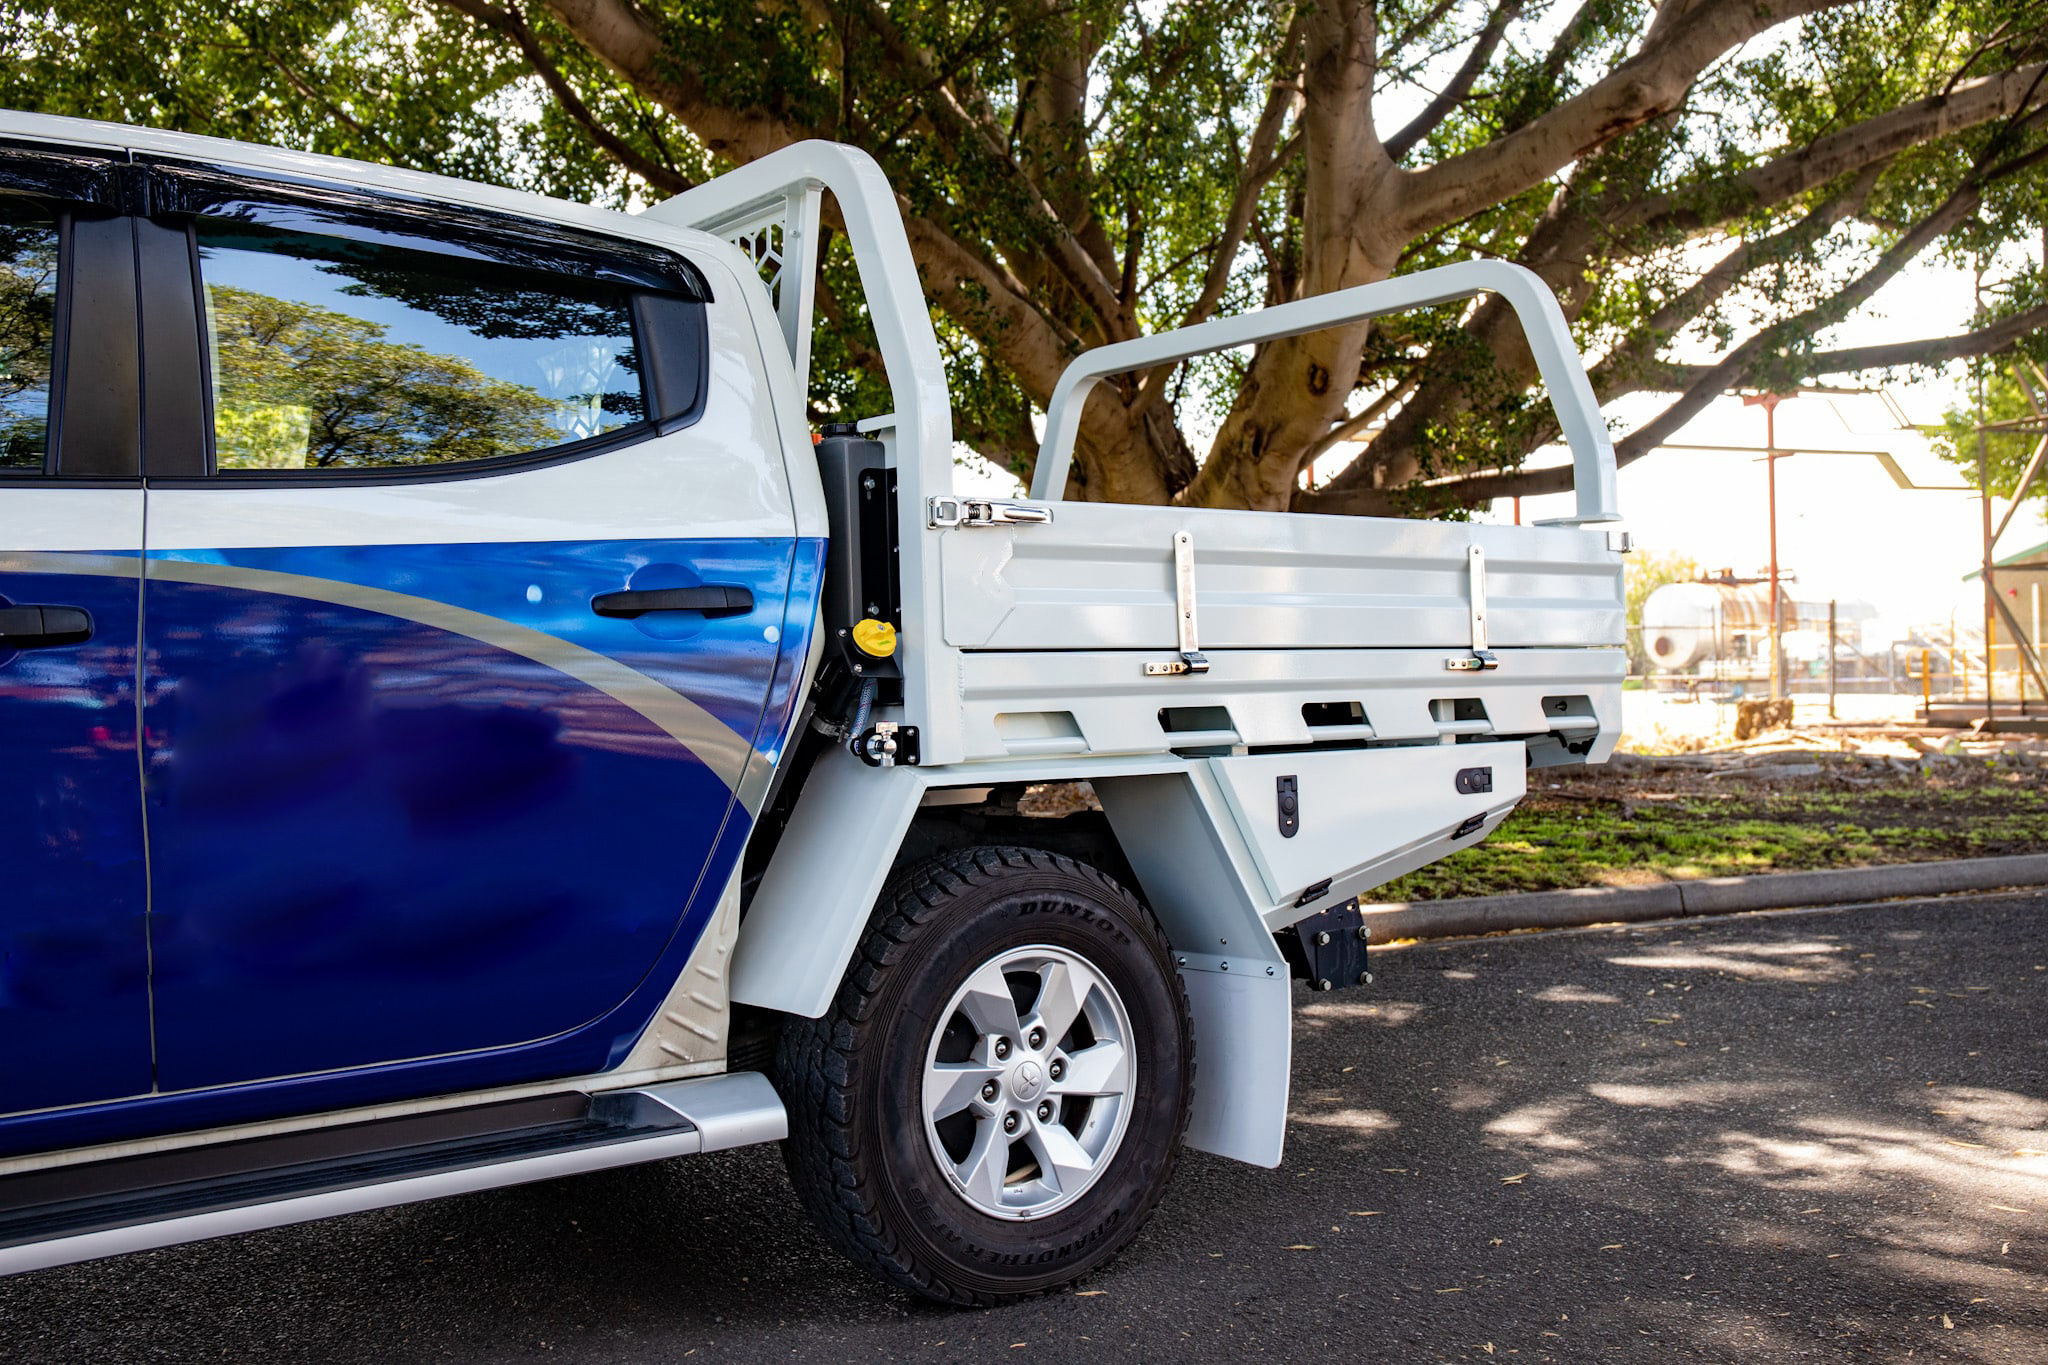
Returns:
(74,985)
(459,635)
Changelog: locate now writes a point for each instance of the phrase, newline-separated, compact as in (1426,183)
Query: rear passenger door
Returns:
(460,624)
(74,983)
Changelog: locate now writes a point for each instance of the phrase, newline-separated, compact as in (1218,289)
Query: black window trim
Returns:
(194,188)
(71,180)
(183,191)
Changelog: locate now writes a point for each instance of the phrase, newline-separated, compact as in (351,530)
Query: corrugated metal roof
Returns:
(2034,558)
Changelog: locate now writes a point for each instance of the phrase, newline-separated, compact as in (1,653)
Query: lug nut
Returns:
(1057,1069)
(988,1090)
(1045,1110)
(1009,1123)
(1002,1048)
(1037,1038)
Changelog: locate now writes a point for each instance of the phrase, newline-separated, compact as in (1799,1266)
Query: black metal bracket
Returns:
(886,744)
(1328,948)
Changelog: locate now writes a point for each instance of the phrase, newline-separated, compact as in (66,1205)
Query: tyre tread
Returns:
(817,1060)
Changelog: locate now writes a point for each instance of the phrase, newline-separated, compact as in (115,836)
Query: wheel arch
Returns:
(1166,834)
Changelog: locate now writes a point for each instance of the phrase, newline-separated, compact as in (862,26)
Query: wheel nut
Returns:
(1037,1038)
(1009,1123)
(1045,1110)
(988,1090)
(1002,1048)
(1057,1069)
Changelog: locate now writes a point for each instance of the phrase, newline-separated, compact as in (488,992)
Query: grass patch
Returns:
(1607,828)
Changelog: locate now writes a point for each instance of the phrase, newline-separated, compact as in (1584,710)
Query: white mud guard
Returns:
(1205,840)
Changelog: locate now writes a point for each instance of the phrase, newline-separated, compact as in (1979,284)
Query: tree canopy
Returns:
(2015,419)
(1710,186)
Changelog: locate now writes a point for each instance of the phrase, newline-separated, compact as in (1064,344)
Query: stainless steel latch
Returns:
(943,510)
(1191,659)
(1481,657)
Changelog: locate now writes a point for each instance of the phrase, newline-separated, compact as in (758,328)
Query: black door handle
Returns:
(38,627)
(713,599)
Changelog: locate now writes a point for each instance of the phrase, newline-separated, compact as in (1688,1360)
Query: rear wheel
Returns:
(994,1103)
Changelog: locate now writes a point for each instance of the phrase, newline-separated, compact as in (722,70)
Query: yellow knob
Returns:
(875,637)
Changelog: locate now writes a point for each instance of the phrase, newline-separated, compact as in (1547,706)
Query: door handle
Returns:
(713,599)
(38,627)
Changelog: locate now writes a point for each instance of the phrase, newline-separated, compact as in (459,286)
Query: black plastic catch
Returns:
(1474,781)
(1287,799)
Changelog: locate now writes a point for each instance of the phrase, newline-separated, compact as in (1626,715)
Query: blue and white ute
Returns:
(460,726)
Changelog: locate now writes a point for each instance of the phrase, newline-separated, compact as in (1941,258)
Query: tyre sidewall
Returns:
(1061,906)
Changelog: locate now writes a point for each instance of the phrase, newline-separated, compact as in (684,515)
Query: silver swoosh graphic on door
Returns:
(714,744)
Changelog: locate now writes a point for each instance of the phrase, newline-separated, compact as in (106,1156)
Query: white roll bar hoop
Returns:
(1550,341)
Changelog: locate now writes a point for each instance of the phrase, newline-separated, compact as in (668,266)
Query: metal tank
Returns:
(1686,625)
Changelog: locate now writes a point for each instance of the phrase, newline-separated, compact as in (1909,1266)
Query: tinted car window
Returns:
(337,353)
(28,309)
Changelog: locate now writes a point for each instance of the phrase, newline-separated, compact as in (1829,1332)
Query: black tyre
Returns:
(995,1102)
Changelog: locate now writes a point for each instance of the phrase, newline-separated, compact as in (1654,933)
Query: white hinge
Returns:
(1481,657)
(1191,659)
(943,511)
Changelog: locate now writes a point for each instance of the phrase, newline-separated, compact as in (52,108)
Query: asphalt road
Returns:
(1817,1136)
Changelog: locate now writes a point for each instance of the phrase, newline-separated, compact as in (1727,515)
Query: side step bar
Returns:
(83,1212)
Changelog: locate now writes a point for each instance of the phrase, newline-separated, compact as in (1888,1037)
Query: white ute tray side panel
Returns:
(1100,576)
(1104,703)
(1359,806)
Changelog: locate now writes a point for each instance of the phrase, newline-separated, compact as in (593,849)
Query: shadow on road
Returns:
(1814,1137)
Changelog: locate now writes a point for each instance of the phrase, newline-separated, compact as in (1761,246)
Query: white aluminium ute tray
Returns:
(1101,576)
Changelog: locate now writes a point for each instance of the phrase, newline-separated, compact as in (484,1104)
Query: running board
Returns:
(94,1209)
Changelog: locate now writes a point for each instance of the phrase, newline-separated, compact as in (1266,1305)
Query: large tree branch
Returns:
(621,37)
(1557,250)
(1529,483)
(512,24)
(1570,38)
(1969,105)
(1771,356)
(1424,22)
(1707,382)
(1632,364)
(1986,340)
(1296,387)
(1262,161)
(1647,86)
(1082,271)
(1027,344)
(1460,86)
(1560,249)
